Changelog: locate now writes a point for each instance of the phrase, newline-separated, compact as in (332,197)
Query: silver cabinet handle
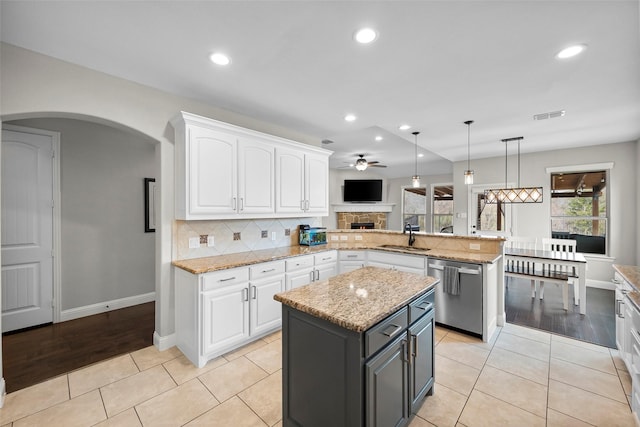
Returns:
(245,294)
(311,276)
(235,204)
(396,329)
(254,292)
(352,256)
(414,338)
(241,203)
(424,305)
(317,274)
(269,270)
(227,279)
(301,205)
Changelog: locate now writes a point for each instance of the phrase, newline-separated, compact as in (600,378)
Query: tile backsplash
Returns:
(226,233)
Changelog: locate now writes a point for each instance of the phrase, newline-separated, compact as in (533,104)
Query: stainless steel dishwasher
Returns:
(462,311)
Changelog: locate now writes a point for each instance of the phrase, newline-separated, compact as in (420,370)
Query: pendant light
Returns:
(468,174)
(513,195)
(415,179)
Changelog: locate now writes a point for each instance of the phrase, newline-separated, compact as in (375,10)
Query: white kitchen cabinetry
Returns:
(302,181)
(219,311)
(351,260)
(225,171)
(302,270)
(407,263)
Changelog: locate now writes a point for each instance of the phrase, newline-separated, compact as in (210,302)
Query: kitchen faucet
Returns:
(412,238)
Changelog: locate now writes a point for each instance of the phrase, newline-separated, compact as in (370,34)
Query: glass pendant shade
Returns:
(361,164)
(415,181)
(468,176)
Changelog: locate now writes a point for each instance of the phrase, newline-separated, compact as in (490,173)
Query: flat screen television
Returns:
(363,190)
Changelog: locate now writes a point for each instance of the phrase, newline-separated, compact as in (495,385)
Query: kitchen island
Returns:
(357,348)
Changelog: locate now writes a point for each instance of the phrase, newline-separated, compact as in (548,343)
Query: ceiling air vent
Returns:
(551,115)
(326,142)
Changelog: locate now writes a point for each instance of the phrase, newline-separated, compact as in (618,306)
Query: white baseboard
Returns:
(103,307)
(600,284)
(3,392)
(164,343)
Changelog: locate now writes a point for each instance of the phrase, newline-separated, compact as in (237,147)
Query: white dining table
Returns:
(570,259)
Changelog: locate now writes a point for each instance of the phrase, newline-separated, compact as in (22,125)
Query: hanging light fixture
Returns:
(468,174)
(415,179)
(361,163)
(513,195)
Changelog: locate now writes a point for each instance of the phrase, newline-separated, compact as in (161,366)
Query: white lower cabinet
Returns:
(220,311)
(351,260)
(306,269)
(408,263)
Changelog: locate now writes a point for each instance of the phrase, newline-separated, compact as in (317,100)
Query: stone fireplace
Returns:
(379,219)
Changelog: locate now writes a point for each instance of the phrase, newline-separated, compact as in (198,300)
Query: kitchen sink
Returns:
(404,248)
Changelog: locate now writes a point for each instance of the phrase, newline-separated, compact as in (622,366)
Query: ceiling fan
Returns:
(362,163)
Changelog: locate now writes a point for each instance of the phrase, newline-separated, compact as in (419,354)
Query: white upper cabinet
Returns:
(302,180)
(225,171)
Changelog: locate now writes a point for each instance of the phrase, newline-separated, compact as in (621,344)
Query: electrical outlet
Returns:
(236,236)
(264,234)
(474,246)
(211,241)
(287,232)
(203,239)
(194,242)
(273,236)
(358,237)
(343,238)
(334,238)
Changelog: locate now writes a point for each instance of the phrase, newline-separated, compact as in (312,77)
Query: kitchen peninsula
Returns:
(357,348)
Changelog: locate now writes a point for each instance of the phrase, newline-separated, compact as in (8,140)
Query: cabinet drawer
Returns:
(299,262)
(353,255)
(397,259)
(266,269)
(385,331)
(421,306)
(325,257)
(223,278)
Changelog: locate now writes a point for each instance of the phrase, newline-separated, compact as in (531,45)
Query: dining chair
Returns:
(520,242)
(562,245)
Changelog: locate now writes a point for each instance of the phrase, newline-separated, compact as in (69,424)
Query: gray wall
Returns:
(106,255)
(534,219)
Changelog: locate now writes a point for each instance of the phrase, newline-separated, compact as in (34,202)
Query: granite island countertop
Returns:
(241,259)
(631,274)
(359,299)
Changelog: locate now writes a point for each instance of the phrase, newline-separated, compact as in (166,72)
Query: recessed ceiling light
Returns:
(220,58)
(420,155)
(365,35)
(378,138)
(404,127)
(350,117)
(571,51)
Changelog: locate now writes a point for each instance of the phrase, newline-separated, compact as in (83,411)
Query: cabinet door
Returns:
(266,313)
(387,388)
(326,271)
(380,265)
(299,278)
(347,266)
(212,172)
(421,366)
(256,177)
(225,316)
(289,181)
(317,184)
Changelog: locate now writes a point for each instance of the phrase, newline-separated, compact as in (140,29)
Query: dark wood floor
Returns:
(596,326)
(32,356)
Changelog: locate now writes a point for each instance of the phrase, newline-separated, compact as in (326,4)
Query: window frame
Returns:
(586,168)
(433,201)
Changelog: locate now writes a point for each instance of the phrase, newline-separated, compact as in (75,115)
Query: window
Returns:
(442,209)
(579,209)
(414,208)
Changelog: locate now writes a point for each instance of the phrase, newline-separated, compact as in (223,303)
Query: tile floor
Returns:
(524,377)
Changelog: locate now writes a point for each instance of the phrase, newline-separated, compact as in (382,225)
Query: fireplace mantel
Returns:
(363,207)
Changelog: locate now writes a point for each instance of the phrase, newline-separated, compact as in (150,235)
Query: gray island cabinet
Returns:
(357,349)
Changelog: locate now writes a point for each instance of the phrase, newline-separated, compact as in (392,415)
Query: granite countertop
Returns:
(359,299)
(631,274)
(241,259)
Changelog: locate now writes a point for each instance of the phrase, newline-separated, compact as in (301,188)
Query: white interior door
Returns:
(27,229)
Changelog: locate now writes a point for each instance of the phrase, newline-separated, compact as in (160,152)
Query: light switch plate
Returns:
(474,246)
(273,236)
(344,237)
(358,237)
(211,241)
(334,238)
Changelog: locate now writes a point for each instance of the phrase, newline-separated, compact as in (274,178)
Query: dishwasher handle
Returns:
(461,270)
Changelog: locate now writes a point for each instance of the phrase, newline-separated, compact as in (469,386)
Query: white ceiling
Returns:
(434,65)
